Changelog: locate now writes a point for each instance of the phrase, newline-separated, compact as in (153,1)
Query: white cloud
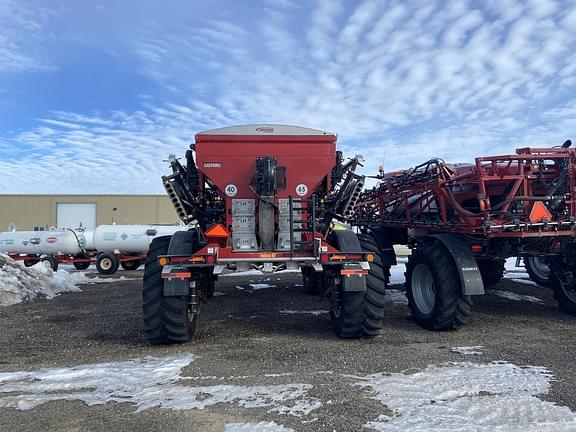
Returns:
(398,81)
(24,27)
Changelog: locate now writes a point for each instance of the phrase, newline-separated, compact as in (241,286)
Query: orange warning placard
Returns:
(540,213)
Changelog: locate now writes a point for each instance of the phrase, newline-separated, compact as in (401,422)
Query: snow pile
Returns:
(18,284)
(147,383)
(489,397)
(256,427)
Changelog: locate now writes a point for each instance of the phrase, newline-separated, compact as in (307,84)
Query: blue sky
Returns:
(94,95)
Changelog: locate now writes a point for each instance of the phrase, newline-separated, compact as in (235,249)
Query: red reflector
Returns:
(176,275)
(324,258)
(337,257)
(178,259)
(348,272)
(197,259)
(348,257)
(476,248)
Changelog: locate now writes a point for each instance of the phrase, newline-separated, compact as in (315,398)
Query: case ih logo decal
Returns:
(51,240)
(212,165)
(265,129)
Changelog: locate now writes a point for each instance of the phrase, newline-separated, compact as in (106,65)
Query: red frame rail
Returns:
(494,196)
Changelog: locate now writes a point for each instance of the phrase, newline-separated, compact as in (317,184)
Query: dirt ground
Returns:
(248,336)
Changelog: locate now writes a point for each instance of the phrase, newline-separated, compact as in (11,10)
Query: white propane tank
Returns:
(39,242)
(85,238)
(130,238)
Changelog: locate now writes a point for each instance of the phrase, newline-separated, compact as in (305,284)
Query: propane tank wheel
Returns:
(107,263)
(50,262)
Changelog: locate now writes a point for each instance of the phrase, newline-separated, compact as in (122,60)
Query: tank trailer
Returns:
(267,197)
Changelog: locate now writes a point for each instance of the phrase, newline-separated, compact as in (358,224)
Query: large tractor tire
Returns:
(538,270)
(167,319)
(355,314)
(312,281)
(378,275)
(492,271)
(563,284)
(434,289)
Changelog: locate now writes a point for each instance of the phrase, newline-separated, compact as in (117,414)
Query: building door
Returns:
(71,215)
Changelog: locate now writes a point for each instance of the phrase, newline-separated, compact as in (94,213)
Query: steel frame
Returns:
(491,198)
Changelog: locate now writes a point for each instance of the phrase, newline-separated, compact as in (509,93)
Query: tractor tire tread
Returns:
(451,307)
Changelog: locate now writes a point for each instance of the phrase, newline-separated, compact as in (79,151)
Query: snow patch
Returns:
(18,284)
(516,297)
(257,273)
(395,296)
(467,350)
(256,427)
(242,273)
(258,286)
(397,274)
(147,383)
(524,281)
(304,312)
(95,280)
(490,397)
(513,272)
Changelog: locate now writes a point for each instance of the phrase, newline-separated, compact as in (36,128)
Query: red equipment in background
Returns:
(522,195)
(463,220)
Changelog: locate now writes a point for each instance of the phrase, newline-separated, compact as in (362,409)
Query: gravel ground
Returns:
(243,339)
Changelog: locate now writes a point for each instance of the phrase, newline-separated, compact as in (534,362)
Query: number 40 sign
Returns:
(231,190)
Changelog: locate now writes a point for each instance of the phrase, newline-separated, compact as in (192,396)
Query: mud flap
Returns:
(468,270)
(353,283)
(176,287)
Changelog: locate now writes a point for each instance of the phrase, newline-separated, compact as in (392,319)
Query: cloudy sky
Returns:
(94,95)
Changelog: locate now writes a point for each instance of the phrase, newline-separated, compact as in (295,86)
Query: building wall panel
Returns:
(28,211)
